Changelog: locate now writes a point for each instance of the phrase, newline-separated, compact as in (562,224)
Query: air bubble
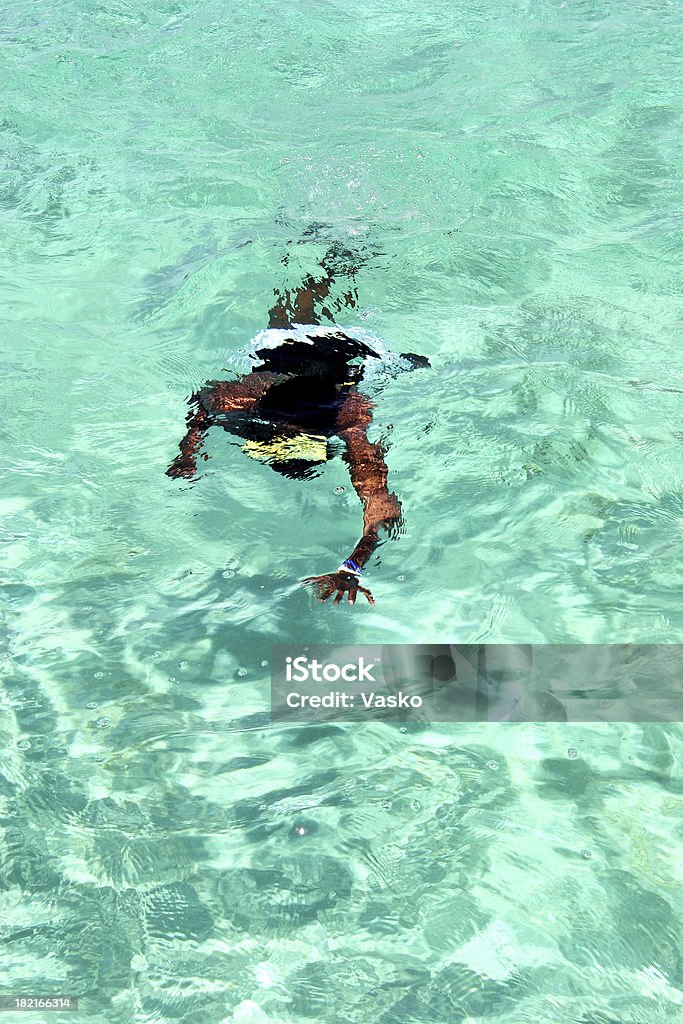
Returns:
(24,744)
(403,729)
(91,705)
(493,765)
(102,723)
(586,854)
(228,574)
(264,664)
(241,672)
(183,664)
(572,752)
(416,805)
(99,675)
(386,805)
(401,579)
(339,490)
(156,654)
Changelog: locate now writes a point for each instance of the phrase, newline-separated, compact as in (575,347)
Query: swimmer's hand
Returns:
(182,468)
(343,582)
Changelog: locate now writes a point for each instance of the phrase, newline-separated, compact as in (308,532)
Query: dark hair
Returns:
(323,355)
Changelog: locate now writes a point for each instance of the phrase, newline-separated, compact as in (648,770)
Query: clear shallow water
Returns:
(512,173)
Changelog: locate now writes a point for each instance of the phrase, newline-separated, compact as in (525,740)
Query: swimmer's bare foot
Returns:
(344,583)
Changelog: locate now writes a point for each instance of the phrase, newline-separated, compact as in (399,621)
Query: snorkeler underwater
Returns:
(302,391)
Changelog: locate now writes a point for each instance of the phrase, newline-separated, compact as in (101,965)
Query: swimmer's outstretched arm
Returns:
(198,422)
(368,471)
(216,397)
(381,509)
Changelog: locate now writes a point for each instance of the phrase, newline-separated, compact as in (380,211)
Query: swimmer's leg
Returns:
(299,306)
(303,305)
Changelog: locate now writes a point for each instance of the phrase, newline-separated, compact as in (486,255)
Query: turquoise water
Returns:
(511,175)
